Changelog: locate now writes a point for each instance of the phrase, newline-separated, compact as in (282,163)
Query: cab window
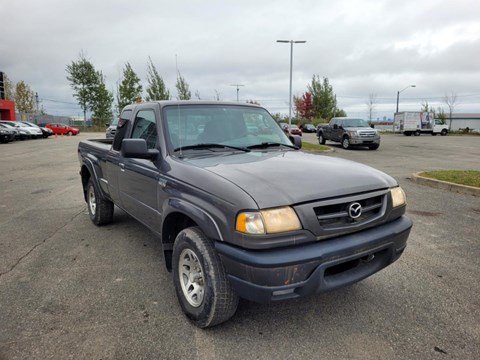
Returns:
(145,127)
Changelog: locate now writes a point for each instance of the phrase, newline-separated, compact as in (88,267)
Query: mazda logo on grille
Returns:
(354,210)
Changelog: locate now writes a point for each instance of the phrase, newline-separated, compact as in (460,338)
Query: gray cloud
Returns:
(363,47)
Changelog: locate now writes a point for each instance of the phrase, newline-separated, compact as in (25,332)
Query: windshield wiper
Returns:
(209,146)
(268,144)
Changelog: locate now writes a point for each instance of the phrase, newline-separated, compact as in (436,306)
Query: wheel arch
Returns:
(180,215)
(85,175)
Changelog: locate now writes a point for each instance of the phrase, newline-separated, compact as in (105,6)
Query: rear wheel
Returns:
(201,284)
(346,143)
(417,133)
(100,210)
(321,139)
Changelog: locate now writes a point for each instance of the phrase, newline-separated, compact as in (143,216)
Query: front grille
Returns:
(367,134)
(337,215)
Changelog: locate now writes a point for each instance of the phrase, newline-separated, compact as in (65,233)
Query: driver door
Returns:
(138,178)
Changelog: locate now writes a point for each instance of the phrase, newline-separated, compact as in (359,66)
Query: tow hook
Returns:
(368,258)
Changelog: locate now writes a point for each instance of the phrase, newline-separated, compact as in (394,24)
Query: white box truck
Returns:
(417,122)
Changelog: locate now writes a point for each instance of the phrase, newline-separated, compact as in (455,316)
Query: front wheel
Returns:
(100,210)
(201,284)
(346,143)
(443,132)
(321,139)
(69,133)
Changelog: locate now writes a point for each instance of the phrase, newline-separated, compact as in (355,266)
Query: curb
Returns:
(444,185)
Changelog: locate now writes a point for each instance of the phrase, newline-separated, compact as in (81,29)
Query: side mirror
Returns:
(372,126)
(335,126)
(137,148)
(296,140)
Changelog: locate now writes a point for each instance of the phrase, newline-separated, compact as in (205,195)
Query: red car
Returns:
(62,129)
(294,130)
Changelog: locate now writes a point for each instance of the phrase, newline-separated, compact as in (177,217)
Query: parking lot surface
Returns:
(69,289)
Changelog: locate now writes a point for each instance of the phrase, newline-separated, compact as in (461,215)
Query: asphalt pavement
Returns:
(71,290)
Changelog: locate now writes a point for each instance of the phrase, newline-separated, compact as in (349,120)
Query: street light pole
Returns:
(291,67)
(238,89)
(398,94)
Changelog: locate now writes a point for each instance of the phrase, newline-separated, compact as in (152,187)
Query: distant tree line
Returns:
(89,89)
(22,94)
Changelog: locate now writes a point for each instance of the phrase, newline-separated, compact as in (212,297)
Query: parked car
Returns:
(36,132)
(6,134)
(309,128)
(111,129)
(21,132)
(46,132)
(62,129)
(294,130)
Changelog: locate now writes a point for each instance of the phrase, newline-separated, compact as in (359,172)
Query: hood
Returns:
(359,128)
(277,178)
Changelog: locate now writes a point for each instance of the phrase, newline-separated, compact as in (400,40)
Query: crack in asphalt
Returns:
(38,244)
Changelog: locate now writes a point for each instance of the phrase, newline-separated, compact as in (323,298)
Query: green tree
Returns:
(24,98)
(156,89)
(324,102)
(83,80)
(130,89)
(183,89)
(440,114)
(102,102)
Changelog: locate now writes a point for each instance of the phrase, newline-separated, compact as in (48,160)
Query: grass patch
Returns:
(462,177)
(314,147)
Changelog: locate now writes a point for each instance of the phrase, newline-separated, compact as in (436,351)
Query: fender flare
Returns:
(88,163)
(200,216)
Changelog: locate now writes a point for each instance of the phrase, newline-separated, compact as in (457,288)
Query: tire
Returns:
(69,133)
(434,134)
(321,139)
(407,133)
(345,143)
(100,210)
(208,299)
(444,132)
(416,133)
(374,147)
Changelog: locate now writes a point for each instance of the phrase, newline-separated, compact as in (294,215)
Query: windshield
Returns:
(31,124)
(354,123)
(235,127)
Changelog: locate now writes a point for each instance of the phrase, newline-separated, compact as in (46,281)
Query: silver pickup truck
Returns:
(349,132)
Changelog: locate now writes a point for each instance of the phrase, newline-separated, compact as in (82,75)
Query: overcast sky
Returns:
(363,47)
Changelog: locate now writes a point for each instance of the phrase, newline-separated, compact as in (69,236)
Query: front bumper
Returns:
(297,271)
(364,141)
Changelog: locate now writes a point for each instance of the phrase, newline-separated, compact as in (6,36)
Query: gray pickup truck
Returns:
(349,132)
(239,209)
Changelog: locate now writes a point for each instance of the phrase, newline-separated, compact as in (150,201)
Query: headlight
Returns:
(269,221)
(398,197)
(352,133)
